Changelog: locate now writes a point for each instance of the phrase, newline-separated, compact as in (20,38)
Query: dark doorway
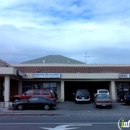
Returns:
(70,88)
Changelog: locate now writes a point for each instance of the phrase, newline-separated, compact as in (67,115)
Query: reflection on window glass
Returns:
(52,84)
(26,86)
(45,85)
(44,92)
(33,99)
(36,86)
(36,92)
(29,92)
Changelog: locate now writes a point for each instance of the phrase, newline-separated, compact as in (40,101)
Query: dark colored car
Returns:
(34,92)
(82,95)
(127,98)
(103,100)
(35,102)
(121,96)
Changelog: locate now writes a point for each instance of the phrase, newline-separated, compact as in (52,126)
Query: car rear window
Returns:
(82,92)
(45,92)
(103,91)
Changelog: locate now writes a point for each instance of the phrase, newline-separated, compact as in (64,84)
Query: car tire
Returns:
(46,107)
(20,107)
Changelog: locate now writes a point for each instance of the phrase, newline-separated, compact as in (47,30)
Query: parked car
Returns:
(34,92)
(35,102)
(101,91)
(82,95)
(103,100)
(121,96)
(127,98)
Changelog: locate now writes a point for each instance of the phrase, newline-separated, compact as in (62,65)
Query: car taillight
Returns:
(53,102)
(125,97)
(76,96)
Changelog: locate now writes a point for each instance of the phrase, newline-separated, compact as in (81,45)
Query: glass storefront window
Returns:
(26,86)
(35,86)
(46,85)
(52,86)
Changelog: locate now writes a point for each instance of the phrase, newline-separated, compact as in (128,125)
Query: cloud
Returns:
(31,29)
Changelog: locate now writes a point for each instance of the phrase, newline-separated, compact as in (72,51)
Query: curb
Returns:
(31,115)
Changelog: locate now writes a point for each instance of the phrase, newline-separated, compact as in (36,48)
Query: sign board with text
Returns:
(124,76)
(46,75)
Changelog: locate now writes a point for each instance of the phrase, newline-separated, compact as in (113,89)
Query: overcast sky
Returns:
(31,29)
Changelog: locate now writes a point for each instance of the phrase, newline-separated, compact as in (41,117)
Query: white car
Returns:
(101,91)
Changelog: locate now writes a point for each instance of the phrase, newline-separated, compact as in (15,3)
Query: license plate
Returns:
(103,105)
(83,98)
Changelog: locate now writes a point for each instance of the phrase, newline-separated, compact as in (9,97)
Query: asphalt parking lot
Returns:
(69,108)
(70,105)
(89,109)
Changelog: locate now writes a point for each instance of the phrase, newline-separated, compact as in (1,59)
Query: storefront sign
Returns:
(124,76)
(19,73)
(46,75)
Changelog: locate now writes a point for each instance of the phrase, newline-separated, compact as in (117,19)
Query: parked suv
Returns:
(34,92)
(82,95)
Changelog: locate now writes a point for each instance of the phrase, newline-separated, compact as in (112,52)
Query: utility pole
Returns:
(86,56)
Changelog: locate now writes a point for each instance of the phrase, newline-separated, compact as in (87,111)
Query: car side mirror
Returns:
(25,94)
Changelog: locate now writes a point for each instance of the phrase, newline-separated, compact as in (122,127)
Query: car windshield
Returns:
(103,96)
(103,91)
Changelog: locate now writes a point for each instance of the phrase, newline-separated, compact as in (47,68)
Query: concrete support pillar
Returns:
(113,90)
(59,90)
(62,91)
(20,87)
(7,91)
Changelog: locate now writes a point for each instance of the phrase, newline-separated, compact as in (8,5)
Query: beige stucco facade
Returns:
(7,74)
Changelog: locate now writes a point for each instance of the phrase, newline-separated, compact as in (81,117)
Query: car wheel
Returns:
(46,107)
(20,107)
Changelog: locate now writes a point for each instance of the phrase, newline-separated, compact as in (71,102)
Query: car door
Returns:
(33,102)
(44,101)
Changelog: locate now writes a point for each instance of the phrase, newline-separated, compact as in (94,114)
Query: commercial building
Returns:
(63,74)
